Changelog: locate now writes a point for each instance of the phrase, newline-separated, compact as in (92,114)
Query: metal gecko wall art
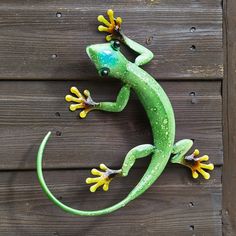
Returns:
(109,61)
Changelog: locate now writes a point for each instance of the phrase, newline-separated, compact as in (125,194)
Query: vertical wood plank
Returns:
(229,111)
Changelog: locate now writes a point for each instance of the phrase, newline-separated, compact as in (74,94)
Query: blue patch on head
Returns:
(107,57)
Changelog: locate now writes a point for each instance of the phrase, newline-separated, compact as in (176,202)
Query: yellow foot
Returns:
(196,165)
(81,101)
(104,179)
(112,27)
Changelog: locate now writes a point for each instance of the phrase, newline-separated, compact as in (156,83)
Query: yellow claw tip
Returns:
(119,20)
(93,189)
(100,18)
(108,38)
(105,187)
(88,181)
(95,172)
(100,28)
(207,166)
(73,89)
(68,98)
(206,176)
(82,114)
(211,166)
(72,107)
(102,166)
(195,175)
(86,92)
(204,158)
(196,152)
(110,12)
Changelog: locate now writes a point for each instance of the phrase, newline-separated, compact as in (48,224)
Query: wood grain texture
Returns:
(30,109)
(229,177)
(174,205)
(36,44)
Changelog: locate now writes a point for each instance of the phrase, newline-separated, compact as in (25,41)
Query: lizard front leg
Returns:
(120,103)
(191,161)
(114,28)
(106,175)
(85,101)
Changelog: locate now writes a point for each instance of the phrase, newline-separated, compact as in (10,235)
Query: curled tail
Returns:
(59,203)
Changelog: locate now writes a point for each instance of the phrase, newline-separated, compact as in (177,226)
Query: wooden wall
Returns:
(42,54)
(229,85)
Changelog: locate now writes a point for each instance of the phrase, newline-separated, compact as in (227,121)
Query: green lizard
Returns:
(109,61)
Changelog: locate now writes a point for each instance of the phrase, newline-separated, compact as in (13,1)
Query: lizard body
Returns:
(109,60)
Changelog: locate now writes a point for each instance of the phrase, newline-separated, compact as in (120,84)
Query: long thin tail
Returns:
(60,204)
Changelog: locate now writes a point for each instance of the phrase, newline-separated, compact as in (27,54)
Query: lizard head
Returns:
(108,59)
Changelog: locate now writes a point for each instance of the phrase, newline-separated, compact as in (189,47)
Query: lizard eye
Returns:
(116,45)
(104,72)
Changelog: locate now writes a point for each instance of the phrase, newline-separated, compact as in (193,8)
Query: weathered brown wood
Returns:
(229,177)
(30,109)
(185,36)
(174,205)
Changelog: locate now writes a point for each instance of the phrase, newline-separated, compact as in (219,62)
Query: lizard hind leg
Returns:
(191,161)
(107,174)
